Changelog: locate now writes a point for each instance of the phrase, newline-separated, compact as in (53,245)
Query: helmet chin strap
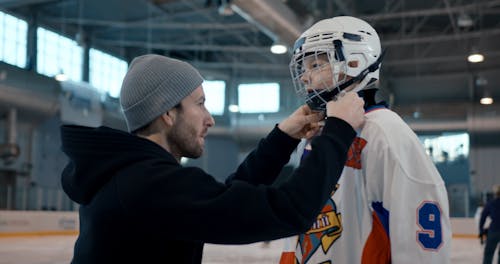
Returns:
(319,104)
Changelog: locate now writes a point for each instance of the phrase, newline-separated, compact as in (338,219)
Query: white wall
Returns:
(38,223)
(485,165)
(50,223)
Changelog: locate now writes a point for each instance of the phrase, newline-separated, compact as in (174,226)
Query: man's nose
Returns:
(211,121)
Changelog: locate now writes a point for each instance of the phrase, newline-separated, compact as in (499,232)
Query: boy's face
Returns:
(318,74)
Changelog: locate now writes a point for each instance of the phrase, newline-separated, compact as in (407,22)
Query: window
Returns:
(106,72)
(58,55)
(447,147)
(13,37)
(215,94)
(259,98)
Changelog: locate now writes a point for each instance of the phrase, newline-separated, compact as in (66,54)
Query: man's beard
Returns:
(183,141)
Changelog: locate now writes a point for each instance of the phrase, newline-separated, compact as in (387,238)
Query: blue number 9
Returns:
(429,220)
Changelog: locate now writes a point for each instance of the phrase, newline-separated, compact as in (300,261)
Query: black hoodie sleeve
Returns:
(188,204)
(263,165)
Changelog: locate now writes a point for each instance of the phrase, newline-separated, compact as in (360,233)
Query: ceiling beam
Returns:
(151,24)
(242,65)
(17,3)
(433,11)
(250,48)
(160,2)
(451,17)
(442,59)
(440,38)
(237,35)
(275,66)
(284,66)
(343,7)
(185,47)
(273,17)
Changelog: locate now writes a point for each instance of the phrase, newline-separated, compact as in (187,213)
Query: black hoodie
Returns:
(139,205)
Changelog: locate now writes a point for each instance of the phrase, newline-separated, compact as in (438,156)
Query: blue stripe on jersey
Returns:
(383,215)
(305,154)
(381,105)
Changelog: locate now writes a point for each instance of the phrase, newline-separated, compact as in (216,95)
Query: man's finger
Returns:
(306,109)
(315,117)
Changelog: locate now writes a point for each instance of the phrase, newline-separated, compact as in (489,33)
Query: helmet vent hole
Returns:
(366,32)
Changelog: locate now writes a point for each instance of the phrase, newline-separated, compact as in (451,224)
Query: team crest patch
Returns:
(354,154)
(326,230)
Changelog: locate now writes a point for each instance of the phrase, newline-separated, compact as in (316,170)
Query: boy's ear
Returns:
(353,64)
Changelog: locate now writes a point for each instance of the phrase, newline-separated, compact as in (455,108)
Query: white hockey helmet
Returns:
(341,40)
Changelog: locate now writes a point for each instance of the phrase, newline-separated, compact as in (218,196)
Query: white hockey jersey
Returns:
(390,204)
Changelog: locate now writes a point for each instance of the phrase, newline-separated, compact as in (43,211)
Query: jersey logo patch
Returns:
(324,232)
(354,154)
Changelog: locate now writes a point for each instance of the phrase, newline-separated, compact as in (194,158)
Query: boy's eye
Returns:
(317,65)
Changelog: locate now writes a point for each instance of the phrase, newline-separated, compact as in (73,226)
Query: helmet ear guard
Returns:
(354,70)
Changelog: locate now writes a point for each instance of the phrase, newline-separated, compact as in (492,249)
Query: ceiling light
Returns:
(464,21)
(234,108)
(61,77)
(80,38)
(486,100)
(481,81)
(278,48)
(475,57)
(225,10)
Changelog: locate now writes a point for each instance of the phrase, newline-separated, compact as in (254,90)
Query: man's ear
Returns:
(168,117)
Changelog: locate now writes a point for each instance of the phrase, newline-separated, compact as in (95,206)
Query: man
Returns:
(492,210)
(139,205)
(390,204)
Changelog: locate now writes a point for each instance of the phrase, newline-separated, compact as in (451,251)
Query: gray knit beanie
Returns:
(153,85)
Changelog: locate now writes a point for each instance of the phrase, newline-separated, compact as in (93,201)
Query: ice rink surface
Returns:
(58,250)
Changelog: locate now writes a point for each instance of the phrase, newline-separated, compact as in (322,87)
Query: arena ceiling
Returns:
(425,73)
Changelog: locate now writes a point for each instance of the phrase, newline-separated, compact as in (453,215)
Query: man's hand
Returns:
(348,107)
(303,123)
(483,236)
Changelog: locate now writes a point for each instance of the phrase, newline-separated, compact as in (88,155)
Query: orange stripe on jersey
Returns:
(354,153)
(378,247)
(287,258)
